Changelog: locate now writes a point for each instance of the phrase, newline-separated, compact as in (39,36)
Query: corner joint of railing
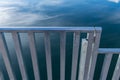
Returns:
(98,29)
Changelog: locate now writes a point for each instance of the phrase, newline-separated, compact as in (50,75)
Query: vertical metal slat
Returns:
(34,55)
(105,67)
(4,51)
(19,55)
(94,55)
(1,75)
(116,74)
(48,55)
(62,55)
(76,40)
(88,56)
(82,59)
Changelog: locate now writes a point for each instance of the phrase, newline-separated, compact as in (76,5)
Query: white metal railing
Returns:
(88,52)
(108,57)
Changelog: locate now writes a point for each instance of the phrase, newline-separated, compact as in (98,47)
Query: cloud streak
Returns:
(115,1)
(11,14)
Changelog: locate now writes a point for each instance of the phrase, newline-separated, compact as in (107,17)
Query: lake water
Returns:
(103,13)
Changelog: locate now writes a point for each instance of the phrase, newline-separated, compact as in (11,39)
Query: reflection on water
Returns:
(103,13)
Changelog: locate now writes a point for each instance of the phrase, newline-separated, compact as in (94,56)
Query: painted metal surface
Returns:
(88,52)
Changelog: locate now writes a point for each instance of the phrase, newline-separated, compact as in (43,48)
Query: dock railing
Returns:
(87,48)
(107,61)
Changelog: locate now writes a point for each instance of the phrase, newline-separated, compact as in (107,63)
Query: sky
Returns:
(115,1)
(11,11)
(22,12)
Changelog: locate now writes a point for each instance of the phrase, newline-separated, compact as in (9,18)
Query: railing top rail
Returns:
(85,29)
(109,50)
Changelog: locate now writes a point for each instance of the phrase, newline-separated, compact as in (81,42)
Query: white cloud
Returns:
(30,3)
(11,16)
(10,13)
(50,2)
(115,1)
(12,3)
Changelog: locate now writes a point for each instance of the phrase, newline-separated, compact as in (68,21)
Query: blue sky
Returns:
(10,11)
(20,12)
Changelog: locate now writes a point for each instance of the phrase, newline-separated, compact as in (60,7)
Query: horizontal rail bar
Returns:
(85,29)
(109,50)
